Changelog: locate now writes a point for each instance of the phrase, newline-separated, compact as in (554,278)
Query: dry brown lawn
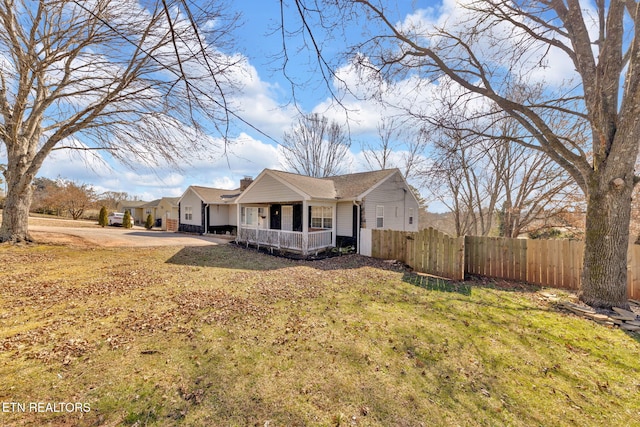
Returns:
(220,335)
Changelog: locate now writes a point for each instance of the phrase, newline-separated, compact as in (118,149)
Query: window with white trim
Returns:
(188,213)
(249,216)
(410,216)
(379,216)
(322,217)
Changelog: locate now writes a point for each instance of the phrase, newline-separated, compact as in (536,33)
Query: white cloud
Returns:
(257,102)
(77,165)
(245,156)
(367,103)
(536,63)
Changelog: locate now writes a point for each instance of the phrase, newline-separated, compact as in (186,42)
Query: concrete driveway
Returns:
(119,237)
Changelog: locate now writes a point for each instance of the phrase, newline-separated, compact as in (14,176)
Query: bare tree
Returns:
(397,147)
(485,180)
(41,200)
(379,156)
(536,191)
(489,46)
(112,199)
(464,179)
(315,147)
(137,80)
(69,197)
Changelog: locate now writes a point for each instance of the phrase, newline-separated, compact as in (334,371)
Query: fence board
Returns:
(578,255)
(470,254)
(419,253)
(553,261)
(531,264)
(633,272)
(523,259)
(375,241)
(428,251)
(508,258)
(478,260)
(556,263)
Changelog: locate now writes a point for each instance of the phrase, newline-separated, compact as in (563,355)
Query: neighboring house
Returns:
(209,210)
(303,214)
(161,210)
(135,208)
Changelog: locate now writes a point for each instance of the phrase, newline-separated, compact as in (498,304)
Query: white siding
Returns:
(191,199)
(218,215)
(344,219)
(165,210)
(233,215)
(269,190)
(396,203)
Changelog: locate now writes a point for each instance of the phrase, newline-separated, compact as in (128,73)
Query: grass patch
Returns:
(224,336)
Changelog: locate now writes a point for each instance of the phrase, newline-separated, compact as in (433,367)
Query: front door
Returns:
(275,216)
(287,218)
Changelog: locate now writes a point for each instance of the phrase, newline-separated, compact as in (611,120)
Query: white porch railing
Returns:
(319,240)
(289,240)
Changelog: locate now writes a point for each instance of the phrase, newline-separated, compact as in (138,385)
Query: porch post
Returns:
(358,228)
(334,216)
(305,227)
(238,224)
(206,219)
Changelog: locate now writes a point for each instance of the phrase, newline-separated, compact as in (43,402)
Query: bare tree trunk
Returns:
(604,275)
(15,215)
(52,97)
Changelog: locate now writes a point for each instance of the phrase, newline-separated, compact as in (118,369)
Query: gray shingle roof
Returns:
(132,203)
(341,187)
(151,204)
(172,200)
(349,186)
(317,188)
(155,203)
(215,195)
(355,184)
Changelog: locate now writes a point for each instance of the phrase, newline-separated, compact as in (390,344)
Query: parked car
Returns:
(116,218)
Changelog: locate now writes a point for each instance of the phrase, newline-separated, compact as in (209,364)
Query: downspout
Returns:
(238,225)
(206,218)
(358,224)
(404,210)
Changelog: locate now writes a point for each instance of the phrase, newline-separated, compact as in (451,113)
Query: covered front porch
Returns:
(300,227)
(293,241)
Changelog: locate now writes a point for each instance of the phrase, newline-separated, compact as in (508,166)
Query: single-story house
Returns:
(303,214)
(135,208)
(206,210)
(161,210)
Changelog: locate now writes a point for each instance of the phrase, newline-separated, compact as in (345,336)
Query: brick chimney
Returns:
(245,182)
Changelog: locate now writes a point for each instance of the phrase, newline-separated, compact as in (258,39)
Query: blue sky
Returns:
(264,102)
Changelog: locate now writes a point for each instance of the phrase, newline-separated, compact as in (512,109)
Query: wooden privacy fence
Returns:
(556,263)
(426,251)
(172,224)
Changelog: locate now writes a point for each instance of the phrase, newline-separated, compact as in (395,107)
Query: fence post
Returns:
(461,248)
